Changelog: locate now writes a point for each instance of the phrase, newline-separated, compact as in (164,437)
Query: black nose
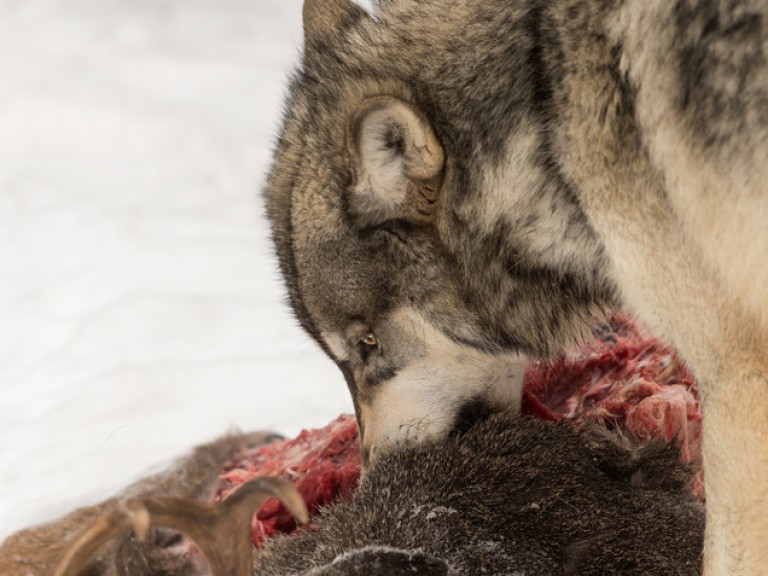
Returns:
(471,412)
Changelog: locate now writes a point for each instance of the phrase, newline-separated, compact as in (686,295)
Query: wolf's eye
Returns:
(367,346)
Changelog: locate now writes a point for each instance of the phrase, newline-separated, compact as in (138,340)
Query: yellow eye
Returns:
(367,346)
(370,340)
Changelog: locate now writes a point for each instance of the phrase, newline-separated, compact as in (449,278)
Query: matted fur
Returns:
(595,153)
(510,496)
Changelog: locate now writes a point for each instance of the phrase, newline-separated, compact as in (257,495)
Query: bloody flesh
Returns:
(323,464)
(626,380)
(623,379)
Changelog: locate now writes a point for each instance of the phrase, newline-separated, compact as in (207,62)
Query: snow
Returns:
(141,307)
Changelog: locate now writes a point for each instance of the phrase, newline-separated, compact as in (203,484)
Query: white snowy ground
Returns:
(140,306)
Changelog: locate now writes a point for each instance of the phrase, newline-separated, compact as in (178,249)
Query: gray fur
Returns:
(485,287)
(596,153)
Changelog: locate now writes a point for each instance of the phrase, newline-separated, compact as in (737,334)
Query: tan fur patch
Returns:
(424,399)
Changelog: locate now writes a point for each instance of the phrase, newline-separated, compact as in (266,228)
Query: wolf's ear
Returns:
(324,17)
(397,161)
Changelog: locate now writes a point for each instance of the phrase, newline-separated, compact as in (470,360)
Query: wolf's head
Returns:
(427,241)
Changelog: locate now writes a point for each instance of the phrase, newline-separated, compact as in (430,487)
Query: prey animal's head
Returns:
(427,298)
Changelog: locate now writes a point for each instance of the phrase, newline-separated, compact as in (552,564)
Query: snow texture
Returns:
(141,307)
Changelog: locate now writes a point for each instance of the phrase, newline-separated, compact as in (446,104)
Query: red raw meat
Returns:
(623,379)
(323,464)
(626,380)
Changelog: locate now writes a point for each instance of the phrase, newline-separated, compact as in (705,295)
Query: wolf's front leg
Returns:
(735,447)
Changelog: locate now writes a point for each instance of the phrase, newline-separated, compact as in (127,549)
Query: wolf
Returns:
(459,186)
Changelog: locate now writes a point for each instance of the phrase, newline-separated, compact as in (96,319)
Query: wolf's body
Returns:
(509,496)
(458,186)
